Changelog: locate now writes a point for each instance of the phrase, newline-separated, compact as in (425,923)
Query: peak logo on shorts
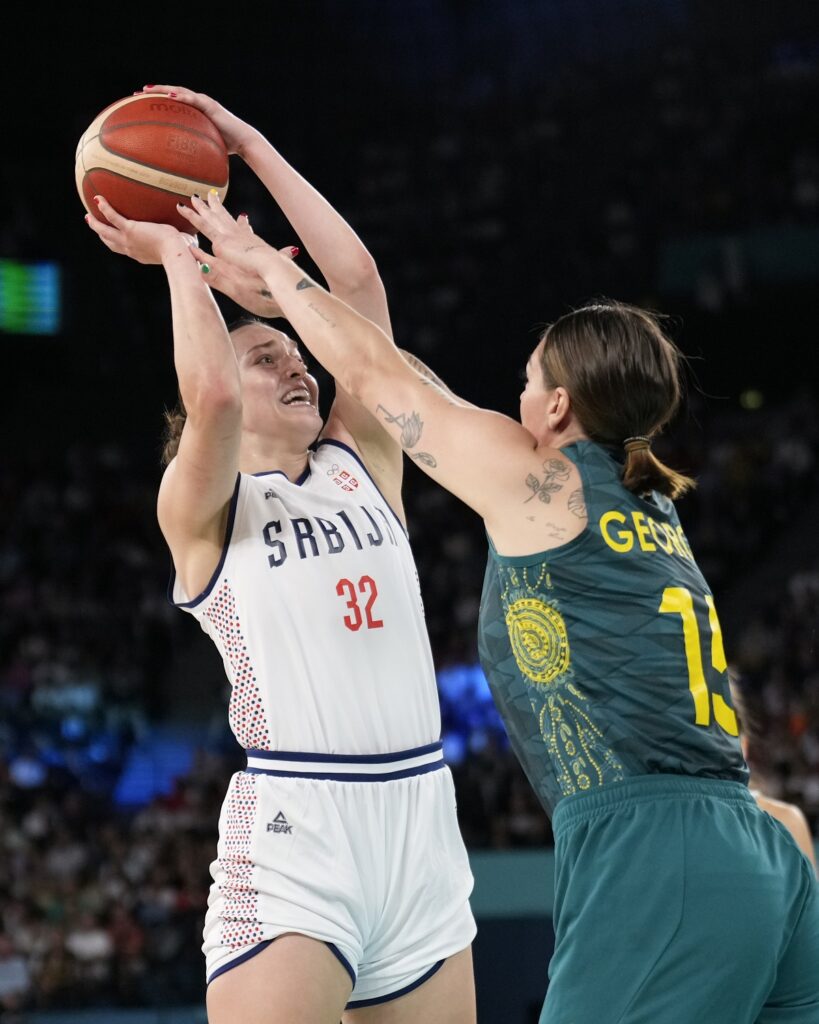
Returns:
(279,824)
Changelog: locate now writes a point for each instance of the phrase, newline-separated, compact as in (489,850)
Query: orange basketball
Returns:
(147,153)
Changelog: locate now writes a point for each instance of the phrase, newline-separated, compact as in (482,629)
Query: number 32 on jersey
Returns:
(366,589)
(678,601)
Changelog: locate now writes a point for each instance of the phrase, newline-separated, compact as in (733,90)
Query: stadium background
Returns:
(503,163)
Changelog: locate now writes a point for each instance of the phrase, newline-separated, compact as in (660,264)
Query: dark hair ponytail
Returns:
(622,374)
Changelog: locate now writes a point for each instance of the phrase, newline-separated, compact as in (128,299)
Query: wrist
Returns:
(175,252)
(249,143)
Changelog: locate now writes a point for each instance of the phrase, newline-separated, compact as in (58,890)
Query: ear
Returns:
(558,410)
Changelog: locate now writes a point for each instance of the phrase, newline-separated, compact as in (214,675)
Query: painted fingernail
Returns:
(87,217)
(196,195)
(172,95)
(204,268)
(245,215)
(214,192)
(97,200)
(150,87)
(295,250)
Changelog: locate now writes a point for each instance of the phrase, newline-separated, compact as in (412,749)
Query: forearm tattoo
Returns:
(304,283)
(555,474)
(318,312)
(426,458)
(411,425)
(265,293)
(430,379)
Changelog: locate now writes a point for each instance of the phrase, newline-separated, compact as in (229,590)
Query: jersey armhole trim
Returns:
(360,461)
(234,501)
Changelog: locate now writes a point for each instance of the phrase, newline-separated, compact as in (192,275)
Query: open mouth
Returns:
(297,396)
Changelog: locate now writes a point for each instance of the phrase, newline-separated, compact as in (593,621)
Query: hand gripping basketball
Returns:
(235,132)
(141,240)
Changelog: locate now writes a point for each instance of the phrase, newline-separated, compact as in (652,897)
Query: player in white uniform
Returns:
(340,839)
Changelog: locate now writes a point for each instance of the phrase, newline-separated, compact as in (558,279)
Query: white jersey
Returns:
(316,610)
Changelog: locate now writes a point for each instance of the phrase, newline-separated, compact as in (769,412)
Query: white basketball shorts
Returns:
(361,852)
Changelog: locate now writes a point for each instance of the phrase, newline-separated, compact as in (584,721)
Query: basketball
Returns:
(147,153)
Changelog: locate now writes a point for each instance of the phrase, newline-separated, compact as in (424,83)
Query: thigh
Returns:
(670,912)
(418,913)
(294,980)
(794,998)
(283,867)
(448,997)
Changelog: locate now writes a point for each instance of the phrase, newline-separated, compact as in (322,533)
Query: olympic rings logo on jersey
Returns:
(539,640)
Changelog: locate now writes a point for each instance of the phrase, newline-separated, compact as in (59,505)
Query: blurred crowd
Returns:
(100,905)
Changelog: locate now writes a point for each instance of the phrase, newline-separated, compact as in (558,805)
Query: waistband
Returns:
(400,764)
(645,789)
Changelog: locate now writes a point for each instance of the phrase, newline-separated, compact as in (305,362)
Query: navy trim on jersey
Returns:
(241,959)
(345,963)
(298,481)
(400,755)
(234,501)
(355,1003)
(406,773)
(358,459)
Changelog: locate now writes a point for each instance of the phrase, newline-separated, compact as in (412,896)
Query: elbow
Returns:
(360,276)
(368,371)
(212,401)
(353,377)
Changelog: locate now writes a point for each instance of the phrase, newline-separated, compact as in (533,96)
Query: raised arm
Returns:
(198,484)
(338,252)
(421,367)
(486,459)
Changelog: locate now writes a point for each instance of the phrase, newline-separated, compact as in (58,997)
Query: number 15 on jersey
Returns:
(679,601)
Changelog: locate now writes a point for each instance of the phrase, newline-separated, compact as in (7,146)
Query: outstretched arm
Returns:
(481,456)
(421,367)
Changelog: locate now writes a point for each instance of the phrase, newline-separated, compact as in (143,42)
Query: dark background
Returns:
(330,83)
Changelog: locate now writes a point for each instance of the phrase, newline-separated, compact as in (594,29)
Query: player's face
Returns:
(278,394)
(535,398)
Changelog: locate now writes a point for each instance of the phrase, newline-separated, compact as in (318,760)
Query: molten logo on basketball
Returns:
(175,108)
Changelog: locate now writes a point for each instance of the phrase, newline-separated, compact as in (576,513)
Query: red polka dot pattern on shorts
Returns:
(246,713)
(240,923)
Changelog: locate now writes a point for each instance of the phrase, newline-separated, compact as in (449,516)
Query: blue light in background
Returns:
(30,297)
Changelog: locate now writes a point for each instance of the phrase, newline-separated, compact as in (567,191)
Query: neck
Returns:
(560,438)
(261,455)
(575,433)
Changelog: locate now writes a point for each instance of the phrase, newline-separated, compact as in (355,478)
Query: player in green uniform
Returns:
(677,900)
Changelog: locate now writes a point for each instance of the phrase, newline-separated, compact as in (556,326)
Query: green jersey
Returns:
(605,655)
